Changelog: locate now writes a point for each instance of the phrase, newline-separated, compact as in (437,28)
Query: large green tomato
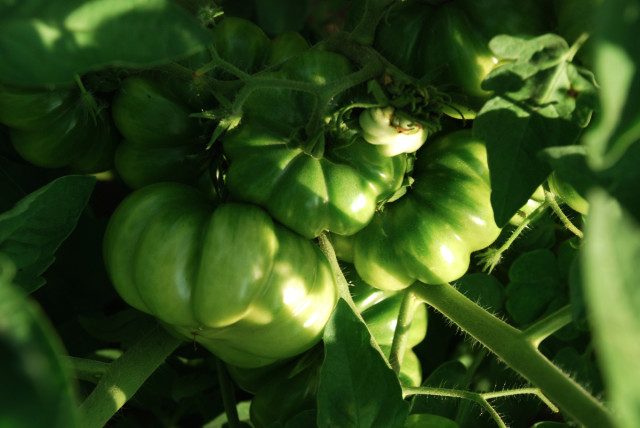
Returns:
(246,288)
(429,233)
(448,44)
(54,128)
(310,183)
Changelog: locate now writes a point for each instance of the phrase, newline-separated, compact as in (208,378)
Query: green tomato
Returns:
(54,128)
(448,45)
(568,194)
(249,290)
(162,142)
(244,45)
(389,129)
(430,232)
(310,183)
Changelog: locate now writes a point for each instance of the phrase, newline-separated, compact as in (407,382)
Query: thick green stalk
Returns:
(228,397)
(125,376)
(403,326)
(517,350)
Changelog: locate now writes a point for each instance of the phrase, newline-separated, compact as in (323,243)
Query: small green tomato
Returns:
(394,132)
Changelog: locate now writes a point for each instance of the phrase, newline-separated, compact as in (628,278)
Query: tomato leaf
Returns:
(609,262)
(534,284)
(357,389)
(485,290)
(32,231)
(44,42)
(35,386)
(540,100)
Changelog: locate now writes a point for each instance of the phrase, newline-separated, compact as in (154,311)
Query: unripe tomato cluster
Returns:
(238,270)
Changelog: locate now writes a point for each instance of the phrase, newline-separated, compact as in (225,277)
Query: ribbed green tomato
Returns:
(429,233)
(246,288)
(162,142)
(448,44)
(310,183)
(243,44)
(54,128)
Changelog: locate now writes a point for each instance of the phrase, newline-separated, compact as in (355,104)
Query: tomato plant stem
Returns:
(551,199)
(515,348)
(544,328)
(228,399)
(372,12)
(401,335)
(125,376)
(86,369)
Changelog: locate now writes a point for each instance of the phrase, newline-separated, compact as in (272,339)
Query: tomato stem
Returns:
(217,62)
(492,256)
(228,398)
(551,200)
(406,313)
(544,328)
(372,13)
(456,393)
(86,369)
(126,375)
(516,349)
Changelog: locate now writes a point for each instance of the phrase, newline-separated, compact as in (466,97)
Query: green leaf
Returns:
(570,164)
(540,100)
(32,231)
(609,256)
(45,42)
(35,387)
(534,283)
(617,65)
(306,418)
(18,178)
(357,389)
